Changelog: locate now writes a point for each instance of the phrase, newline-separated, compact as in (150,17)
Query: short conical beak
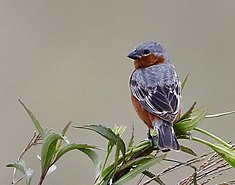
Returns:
(134,55)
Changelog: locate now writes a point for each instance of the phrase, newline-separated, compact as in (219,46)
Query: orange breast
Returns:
(147,117)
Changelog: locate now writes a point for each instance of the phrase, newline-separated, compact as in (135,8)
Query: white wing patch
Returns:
(161,97)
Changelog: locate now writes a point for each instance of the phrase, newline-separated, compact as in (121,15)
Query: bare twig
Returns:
(178,166)
(209,170)
(232,182)
(35,140)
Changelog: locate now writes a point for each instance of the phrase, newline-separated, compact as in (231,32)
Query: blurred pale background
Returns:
(67,61)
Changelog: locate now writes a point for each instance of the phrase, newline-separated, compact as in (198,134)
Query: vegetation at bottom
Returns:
(130,159)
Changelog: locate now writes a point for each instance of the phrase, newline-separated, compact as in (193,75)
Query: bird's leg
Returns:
(149,135)
(152,137)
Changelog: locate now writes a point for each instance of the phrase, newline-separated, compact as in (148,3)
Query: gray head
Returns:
(147,48)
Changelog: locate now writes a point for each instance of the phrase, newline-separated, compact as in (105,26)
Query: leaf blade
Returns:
(19,165)
(190,123)
(108,134)
(184,81)
(35,121)
(139,169)
(48,150)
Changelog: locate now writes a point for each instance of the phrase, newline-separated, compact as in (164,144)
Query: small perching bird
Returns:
(156,92)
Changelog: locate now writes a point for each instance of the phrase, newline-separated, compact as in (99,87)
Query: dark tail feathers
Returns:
(166,136)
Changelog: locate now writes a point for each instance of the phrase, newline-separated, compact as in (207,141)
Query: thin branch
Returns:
(209,170)
(35,140)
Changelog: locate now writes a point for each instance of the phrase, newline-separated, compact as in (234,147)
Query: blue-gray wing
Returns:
(158,90)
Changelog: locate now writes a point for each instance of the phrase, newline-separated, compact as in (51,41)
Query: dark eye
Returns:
(146,51)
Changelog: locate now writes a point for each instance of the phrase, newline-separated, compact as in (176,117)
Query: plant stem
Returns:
(200,141)
(105,161)
(213,137)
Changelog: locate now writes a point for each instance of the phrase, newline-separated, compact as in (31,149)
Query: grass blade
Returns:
(184,81)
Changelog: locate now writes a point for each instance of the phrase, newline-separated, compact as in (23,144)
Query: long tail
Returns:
(166,136)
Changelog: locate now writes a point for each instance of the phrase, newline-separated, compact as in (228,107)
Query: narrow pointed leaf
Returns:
(189,112)
(190,123)
(187,150)
(134,162)
(102,130)
(153,178)
(184,81)
(131,141)
(19,165)
(216,138)
(48,150)
(119,130)
(219,114)
(139,169)
(35,121)
(108,134)
(60,142)
(195,179)
(66,128)
(227,153)
(73,146)
(94,157)
(107,172)
(87,149)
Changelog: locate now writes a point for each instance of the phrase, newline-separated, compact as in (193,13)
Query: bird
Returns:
(156,92)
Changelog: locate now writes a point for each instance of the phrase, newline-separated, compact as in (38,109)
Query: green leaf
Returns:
(213,137)
(117,155)
(102,130)
(190,123)
(94,157)
(195,179)
(227,153)
(87,149)
(19,165)
(219,114)
(151,175)
(133,162)
(49,150)
(108,134)
(184,81)
(60,142)
(131,141)
(189,112)
(35,121)
(119,130)
(66,128)
(148,163)
(74,146)
(107,172)
(187,150)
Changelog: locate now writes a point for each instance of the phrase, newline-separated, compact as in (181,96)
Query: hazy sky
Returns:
(67,61)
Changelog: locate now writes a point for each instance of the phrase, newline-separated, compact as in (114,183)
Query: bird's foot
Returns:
(152,138)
